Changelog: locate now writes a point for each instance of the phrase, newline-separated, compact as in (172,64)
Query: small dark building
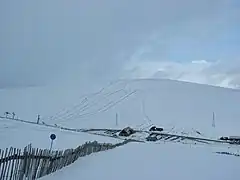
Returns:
(127,132)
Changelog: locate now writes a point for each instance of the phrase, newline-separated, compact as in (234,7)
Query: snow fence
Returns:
(33,163)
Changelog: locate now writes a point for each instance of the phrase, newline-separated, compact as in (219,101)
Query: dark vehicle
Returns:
(152,137)
(126,132)
(234,138)
(224,138)
(154,128)
(231,139)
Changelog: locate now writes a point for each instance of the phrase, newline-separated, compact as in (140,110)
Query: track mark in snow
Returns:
(228,153)
(105,108)
(94,102)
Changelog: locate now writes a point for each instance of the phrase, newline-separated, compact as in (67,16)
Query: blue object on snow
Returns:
(52,136)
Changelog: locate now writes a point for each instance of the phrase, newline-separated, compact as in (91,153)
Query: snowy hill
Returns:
(178,107)
(164,102)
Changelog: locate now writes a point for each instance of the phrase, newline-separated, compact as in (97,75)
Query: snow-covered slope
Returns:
(19,135)
(28,102)
(184,106)
(178,107)
(161,161)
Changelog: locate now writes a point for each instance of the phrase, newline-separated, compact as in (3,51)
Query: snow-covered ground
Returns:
(179,107)
(19,135)
(185,106)
(152,161)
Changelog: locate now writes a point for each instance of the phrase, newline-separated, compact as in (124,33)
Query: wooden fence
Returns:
(33,163)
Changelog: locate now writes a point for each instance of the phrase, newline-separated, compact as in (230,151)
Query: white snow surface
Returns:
(19,135)
(183,106)
(178,107)
(152,161)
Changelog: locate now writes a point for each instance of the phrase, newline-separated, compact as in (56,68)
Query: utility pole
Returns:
(38,119)
(116,119)
(213,120)
(13,115)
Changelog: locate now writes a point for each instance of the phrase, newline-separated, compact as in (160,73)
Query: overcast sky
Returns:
(48,41)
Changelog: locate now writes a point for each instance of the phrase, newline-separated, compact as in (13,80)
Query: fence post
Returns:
(23,164)
(92,148)
(87,150)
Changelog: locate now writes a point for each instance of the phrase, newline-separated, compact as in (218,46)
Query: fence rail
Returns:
(33,163)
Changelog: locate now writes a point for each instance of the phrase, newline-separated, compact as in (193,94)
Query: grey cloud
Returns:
(217,73)
(47,41)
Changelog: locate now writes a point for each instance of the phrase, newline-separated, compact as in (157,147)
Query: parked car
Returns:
(154,128)
(152,137)
(231,139)
(234,138)
(224,138)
